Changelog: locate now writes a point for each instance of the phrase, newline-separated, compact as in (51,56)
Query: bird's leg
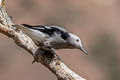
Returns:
(58,57)
(53,51)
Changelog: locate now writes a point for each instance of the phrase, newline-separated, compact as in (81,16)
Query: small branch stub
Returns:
(2,3)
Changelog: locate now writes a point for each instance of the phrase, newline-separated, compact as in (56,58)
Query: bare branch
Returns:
(44,57)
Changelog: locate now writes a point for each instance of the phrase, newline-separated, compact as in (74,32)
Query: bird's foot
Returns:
(53,51)
(58,57)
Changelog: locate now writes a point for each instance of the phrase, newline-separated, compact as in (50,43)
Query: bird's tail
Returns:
(19,26)
(23,28)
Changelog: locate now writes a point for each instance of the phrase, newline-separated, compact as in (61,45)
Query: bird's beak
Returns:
(83,50)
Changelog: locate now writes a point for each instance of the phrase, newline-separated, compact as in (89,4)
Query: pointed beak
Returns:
(83,50)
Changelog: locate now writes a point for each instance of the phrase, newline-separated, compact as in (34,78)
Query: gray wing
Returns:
(51,30)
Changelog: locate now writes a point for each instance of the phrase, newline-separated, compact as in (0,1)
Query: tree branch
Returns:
(45,57)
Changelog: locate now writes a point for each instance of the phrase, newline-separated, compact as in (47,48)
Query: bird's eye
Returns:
(77,40)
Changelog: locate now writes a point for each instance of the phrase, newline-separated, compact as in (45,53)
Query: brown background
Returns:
(95,21)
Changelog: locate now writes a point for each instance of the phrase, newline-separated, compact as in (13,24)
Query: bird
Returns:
(51,38)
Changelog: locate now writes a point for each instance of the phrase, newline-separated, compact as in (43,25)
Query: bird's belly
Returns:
(59,45)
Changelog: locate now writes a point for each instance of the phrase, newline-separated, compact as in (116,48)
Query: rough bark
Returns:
(44,57)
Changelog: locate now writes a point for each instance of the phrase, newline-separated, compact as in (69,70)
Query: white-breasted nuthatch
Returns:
(52,37)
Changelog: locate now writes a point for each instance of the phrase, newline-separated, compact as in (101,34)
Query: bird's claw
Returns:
(58,57)
(53,51)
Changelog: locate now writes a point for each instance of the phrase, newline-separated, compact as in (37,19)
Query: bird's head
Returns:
(76,42)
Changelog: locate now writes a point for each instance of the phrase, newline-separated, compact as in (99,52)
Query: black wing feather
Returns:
(50,30)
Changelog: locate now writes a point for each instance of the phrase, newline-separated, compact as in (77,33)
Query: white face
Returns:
(76,42)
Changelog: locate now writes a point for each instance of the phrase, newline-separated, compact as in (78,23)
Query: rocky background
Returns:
(96,22)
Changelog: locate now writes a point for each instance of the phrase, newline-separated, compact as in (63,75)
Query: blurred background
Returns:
(96,22)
